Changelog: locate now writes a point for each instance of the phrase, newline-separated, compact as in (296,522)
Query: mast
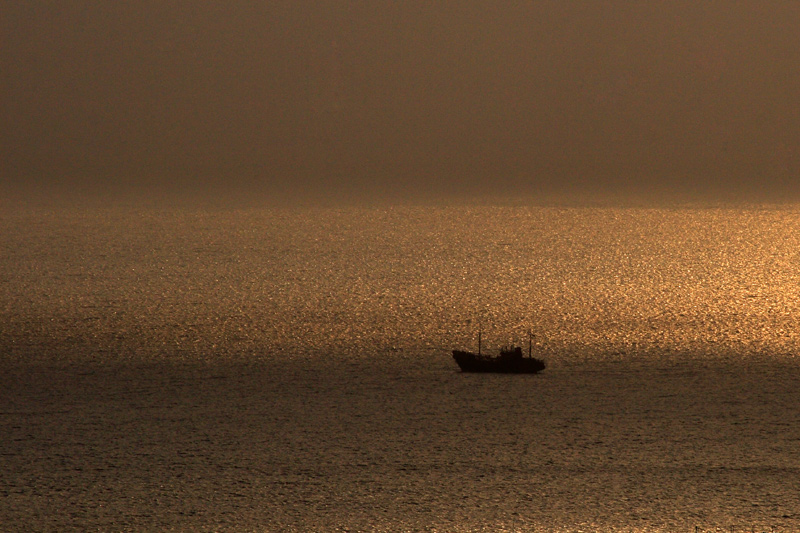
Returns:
(530,344)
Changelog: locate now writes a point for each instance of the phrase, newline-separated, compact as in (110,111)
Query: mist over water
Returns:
(465,98)
(289,369)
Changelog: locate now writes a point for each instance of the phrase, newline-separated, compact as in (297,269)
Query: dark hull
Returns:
(472,362)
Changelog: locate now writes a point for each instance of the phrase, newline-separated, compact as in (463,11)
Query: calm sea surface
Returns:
(289,370)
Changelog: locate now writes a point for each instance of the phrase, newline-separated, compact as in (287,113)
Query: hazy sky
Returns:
(387,97)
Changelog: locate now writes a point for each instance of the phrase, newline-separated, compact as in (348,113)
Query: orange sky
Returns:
(453,97)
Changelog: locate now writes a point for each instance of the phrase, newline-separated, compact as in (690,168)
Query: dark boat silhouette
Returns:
(509,361)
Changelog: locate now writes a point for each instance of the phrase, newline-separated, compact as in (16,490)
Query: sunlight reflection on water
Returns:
(590,283)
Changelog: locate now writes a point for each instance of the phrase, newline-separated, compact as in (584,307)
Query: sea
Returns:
(201,368)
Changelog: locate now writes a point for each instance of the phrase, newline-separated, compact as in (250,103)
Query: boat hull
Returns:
(472,362)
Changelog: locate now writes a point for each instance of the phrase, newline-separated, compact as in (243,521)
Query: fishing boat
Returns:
(509,361)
